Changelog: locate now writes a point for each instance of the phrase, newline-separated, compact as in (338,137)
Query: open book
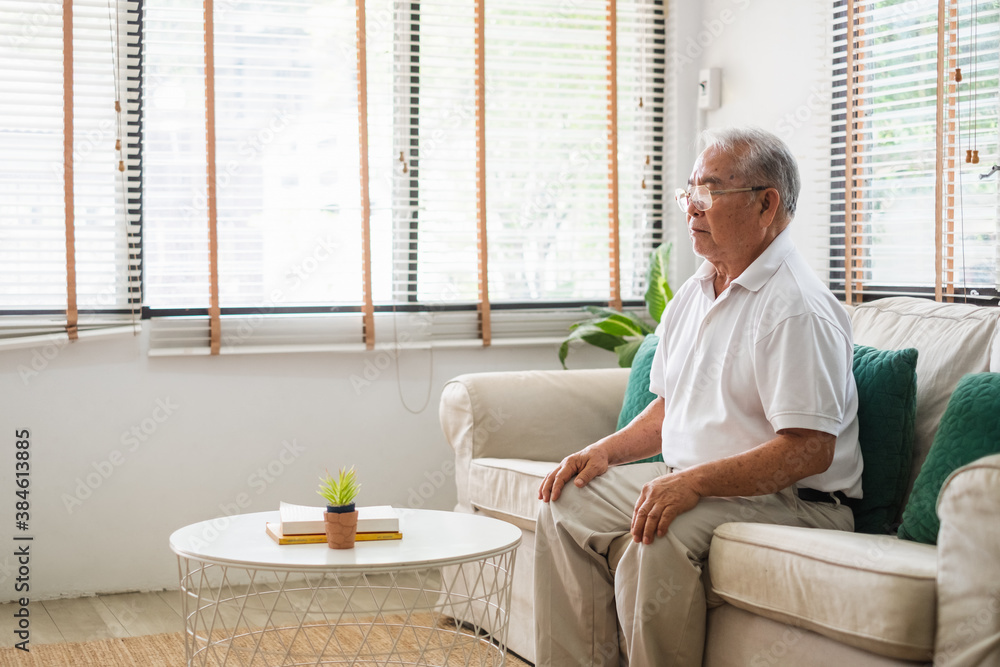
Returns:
(306,520)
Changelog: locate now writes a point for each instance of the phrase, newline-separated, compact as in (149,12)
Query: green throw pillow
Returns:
(637,393)
(969,430)
(887,406)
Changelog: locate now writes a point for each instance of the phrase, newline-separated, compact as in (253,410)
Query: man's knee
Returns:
(651,566)
(571,505)
(551,533)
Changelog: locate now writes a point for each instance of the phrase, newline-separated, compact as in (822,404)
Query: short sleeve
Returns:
(656,383)
(803,370)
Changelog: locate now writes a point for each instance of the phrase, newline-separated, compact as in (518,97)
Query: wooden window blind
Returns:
(908,214)
(503,114)
(70,160)
(422,158)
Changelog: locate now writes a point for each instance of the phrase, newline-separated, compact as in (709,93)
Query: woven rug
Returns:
(166,650)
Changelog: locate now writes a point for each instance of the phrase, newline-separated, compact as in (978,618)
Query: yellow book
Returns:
(274,531)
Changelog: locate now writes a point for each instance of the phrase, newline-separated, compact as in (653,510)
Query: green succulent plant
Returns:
(340,490)
(622,332)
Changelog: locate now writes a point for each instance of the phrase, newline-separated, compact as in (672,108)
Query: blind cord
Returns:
(399,381)
(969,129)
(961,215)
(974,56)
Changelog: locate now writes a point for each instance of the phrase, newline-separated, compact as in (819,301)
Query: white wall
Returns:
(775,75)
(216,428)
(125,448)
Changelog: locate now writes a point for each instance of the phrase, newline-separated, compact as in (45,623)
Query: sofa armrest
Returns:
(968,580)
(534,415)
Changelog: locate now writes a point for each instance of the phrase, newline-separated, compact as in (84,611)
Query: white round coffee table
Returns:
(248,601)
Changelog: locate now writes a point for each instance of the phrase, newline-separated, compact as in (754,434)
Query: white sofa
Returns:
(779,595)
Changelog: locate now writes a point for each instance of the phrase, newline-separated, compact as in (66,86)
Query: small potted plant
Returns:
(341,518)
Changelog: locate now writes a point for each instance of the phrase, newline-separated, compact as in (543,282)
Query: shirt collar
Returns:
(762,268)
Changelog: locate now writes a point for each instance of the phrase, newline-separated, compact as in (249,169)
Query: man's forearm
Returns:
(791,456)
(641,439)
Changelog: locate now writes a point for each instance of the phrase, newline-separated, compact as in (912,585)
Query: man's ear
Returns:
(769,202)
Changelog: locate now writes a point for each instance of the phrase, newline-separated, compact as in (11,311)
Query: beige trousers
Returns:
(655,595)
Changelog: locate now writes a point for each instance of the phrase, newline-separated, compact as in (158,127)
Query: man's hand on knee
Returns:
(585,465)
(662,500)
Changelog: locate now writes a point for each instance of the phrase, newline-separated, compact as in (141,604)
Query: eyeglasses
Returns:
(701,196)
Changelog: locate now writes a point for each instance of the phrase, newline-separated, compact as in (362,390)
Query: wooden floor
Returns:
(99,617)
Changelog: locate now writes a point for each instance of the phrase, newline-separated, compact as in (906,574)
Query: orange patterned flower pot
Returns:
(341,529)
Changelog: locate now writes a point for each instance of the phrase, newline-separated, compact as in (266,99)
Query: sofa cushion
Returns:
(887,405)
(637,393)
(508,488)
(953,340)
(874,592)
(538,415)
(970,429)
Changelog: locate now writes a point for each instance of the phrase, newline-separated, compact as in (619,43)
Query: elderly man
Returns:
(755,417)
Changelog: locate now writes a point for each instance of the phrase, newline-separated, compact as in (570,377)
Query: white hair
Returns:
(760,158)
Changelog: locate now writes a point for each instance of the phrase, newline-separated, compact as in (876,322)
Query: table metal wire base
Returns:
(262,618)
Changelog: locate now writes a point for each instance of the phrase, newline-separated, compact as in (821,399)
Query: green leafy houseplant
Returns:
(622,332)
(339,491)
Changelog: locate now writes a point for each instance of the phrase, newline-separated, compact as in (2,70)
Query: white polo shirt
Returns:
(773,351)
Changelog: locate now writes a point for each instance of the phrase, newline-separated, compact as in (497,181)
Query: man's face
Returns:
(729,232)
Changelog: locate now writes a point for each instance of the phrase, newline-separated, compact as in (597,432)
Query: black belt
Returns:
(814,496)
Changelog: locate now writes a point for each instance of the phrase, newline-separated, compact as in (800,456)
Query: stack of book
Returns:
(302,524)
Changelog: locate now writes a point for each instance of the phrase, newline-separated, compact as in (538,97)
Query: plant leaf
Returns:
(638,326)
(599,313)
(618,326)
(589,333)
(341,490)
(602,311)
(658,291)
(563,351)
(626,353)
(635,325)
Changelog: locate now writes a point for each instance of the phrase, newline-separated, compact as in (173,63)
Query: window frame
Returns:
(954,289)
